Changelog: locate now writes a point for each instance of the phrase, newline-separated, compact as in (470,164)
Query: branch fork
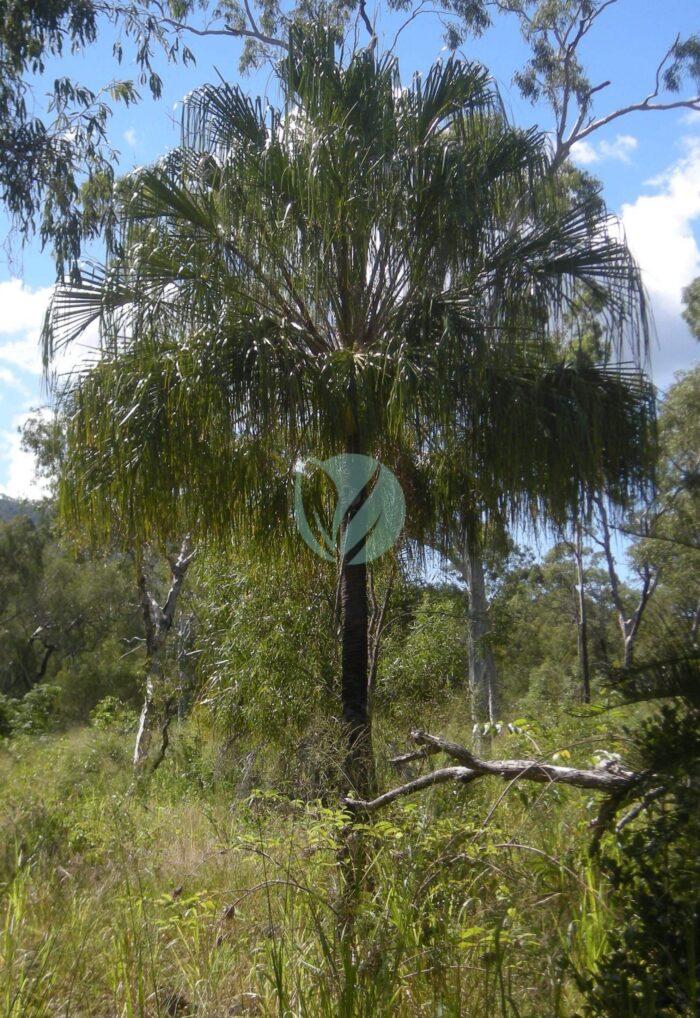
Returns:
(611,778)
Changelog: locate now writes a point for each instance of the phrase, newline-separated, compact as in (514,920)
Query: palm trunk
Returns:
(355,674)
(482,666)
(355,662)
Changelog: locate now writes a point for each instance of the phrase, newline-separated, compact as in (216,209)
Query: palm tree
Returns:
(367,269)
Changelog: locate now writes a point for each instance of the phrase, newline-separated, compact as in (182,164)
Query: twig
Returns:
(655,793)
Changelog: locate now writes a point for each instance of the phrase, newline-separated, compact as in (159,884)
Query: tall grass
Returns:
(183,899)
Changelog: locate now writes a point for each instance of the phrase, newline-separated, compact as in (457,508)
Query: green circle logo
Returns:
(369,514)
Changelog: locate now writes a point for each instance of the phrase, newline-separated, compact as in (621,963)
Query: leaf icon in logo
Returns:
(376,522)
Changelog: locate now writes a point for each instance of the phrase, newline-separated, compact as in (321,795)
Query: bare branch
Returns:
(642,107)
(629,624)
(179,571)
(231,33)
(644,803)
(251,18)
(628,532)
(420,9)
(377,626)
(157,624)
(368,24)
(564,84)
(416,754)
(439,777)
(532,770)
(613,779)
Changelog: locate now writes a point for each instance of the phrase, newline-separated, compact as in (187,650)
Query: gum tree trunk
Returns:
(482,666)
(629,623)
(582,615)
(157,624)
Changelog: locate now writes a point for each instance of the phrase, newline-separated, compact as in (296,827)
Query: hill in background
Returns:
(11,507)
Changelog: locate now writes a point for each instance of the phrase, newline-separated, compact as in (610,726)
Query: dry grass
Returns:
(181,899)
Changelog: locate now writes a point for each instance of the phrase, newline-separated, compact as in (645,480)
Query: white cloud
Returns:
(660,232)
(21,308)
(620,150)
(659,228)
(22,312)
(130,137)
(10,380)
(584,152)
(19,467)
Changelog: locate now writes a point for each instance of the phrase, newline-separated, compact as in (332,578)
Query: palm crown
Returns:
(369,268)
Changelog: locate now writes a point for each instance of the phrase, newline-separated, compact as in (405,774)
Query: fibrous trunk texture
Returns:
(355,661)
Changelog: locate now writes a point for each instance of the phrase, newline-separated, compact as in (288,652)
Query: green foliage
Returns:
(44,439)
(53,159)
(64,620)
(534,616)
(57,166)
(7,714)
(672,545)
(691,299)
(112,713)
(554,31)
(268,654)
(425,654)
(37,711)
(308,331)
(652,962)
(180,894)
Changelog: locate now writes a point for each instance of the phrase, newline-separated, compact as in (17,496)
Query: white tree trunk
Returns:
(145,729)
(157,624)
(482,666)
(629,623)
(582,626)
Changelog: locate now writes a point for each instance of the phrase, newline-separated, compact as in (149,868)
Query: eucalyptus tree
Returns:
(57,154)
(313,279)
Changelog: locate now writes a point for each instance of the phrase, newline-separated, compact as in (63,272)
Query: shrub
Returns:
(36,713)
(111,714)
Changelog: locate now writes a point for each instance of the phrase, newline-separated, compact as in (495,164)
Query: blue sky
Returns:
(649,164)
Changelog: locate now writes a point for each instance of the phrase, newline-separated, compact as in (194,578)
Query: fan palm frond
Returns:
(367,265)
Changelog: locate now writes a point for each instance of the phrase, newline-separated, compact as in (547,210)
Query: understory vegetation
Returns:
(232,881)
(199,896)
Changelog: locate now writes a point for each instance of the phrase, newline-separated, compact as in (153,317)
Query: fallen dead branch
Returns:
(610,777)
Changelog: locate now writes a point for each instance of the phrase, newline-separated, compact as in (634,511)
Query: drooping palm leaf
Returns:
(366,265)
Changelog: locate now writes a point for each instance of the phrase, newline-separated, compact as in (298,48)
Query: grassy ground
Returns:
(190,897)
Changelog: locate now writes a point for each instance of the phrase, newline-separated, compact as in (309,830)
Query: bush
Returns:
(427,657)
(652,965)
(7,714)
(111,714)
(36,713)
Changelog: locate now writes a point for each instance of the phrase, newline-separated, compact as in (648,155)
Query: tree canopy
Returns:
(400,290)
(58,159)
